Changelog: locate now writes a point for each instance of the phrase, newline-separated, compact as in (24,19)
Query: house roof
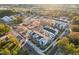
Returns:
(6,18)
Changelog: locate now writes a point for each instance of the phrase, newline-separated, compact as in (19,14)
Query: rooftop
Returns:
(48,29)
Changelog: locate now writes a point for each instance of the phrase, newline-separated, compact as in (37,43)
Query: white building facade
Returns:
(50,32)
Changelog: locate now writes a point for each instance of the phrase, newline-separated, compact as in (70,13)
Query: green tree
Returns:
(75,28)
(67,47)
(6,51)
(4,29)
(77,51)
(9,47)
(7,12)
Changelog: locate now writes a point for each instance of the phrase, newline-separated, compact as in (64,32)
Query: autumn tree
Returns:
(75,28)
(67,47)
(74,37)
(4,29)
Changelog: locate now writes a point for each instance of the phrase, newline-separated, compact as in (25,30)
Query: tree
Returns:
(18,20)
(63,42)
(74,37)
(16,50)
(9,47)
(4,29)
(7,12)
(77,51)
(70,48)
(75,28)
(6,51)
(66,46)
(13,39)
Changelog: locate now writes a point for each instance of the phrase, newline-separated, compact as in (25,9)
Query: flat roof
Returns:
(48,29)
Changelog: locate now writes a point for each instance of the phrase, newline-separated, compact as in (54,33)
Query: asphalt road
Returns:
(30,50)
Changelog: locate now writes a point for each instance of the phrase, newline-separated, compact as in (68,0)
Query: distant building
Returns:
(6,19)
(61,23)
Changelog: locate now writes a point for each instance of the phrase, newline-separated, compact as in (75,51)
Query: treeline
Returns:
(7,13)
